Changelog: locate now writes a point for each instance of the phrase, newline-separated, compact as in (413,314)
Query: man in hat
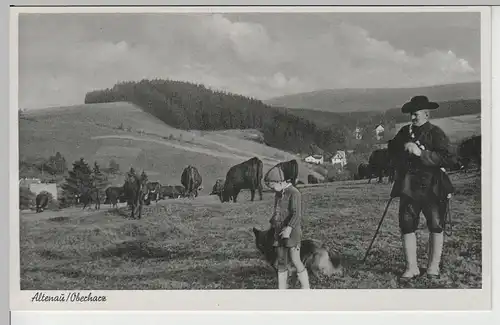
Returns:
(421,152)
(286,223)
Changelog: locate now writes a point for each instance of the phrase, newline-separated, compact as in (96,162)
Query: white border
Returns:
(271,300)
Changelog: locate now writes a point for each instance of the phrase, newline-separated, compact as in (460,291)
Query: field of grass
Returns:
(204,244)
(93,132)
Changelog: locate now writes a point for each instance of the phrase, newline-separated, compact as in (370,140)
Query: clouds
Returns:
(63,57)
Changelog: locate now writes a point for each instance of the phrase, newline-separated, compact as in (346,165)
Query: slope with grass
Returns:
(456,128)
(204,244)
(124,132)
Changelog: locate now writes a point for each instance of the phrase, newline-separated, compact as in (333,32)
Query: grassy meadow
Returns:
(204,244)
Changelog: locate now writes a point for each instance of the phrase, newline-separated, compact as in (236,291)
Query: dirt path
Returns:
(213,153)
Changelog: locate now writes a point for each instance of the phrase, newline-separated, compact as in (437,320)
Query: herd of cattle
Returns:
(137,191)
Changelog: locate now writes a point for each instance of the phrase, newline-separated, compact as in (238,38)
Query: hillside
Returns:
(457,127)
(375,99)
(124,132)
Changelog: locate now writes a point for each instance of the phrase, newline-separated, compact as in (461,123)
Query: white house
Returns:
(358,133)
(315,159)
(379,130)
(339,158)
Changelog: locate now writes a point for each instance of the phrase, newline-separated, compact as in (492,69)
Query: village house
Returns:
(315,159)
(339,158)
(358,133)
(379,132)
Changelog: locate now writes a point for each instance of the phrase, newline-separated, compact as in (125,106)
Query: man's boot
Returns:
(283,280)
(410,250)
(304,279)
(435,251)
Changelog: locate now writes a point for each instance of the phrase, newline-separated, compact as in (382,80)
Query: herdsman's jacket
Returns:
(421,177)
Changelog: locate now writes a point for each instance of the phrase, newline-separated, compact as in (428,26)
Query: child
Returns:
(286,222)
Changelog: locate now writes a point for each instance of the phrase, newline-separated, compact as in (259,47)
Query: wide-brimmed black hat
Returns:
(418,103)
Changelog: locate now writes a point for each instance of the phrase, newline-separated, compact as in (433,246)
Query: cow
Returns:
(470,150)
(218,188)
(113,194)
(152,192)
(364,171)
(380,164)
(245,175)
(42,200)
(311,179)
(191,179)
(172,192)
(290,170)
(89,195)
(135,189)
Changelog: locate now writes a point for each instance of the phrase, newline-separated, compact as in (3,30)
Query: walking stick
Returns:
(378,228)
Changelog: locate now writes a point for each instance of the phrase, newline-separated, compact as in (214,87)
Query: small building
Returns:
(339,158)
(379,132)
(315,159)
(358,133)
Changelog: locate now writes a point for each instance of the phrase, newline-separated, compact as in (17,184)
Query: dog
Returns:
(317,259)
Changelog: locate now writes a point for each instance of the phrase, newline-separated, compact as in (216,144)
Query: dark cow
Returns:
(364,171)
(290,170)
(380,164)
(311,179)
(191,179)
(152,192)
(172,192)
(135,189)
(218,188)
(470,150)
(245,175)
(42,200)
(89,195)
(113,194)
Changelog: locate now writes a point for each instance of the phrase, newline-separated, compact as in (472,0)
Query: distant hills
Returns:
(374,99)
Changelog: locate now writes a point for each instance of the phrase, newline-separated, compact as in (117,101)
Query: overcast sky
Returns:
(62,56)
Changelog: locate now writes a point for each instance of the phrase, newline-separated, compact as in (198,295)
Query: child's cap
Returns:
(274,174)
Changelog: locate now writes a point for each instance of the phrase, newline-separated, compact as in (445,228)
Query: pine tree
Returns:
(78,179)
(99,180)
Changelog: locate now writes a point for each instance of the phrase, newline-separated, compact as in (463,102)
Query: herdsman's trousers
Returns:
(409,215)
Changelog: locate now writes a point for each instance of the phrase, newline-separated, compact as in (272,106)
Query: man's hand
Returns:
(412,148)
(286,232)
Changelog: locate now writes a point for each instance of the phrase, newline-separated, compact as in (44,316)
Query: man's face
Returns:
(419,117)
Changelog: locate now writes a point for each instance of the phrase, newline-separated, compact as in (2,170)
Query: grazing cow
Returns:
(364,171)
(290,170)
(113,194)
(152,192)
(90,195)
(311,179)
(381,165)
(172,192)
(135,189)
(42,200)
(191,179)
(245,175)
(218,188)
(470,150)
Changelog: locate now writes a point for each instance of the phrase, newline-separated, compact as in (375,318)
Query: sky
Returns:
(260,55)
